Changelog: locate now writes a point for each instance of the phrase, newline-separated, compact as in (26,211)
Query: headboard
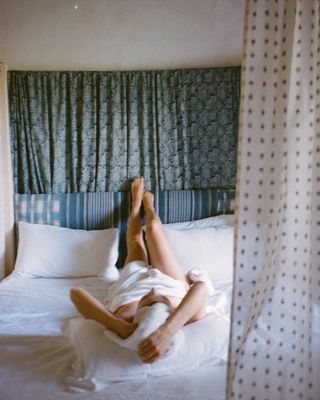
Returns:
(102,210)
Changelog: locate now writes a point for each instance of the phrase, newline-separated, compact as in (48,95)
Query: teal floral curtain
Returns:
(92,131)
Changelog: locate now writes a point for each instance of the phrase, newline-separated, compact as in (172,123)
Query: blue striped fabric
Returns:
(111,209)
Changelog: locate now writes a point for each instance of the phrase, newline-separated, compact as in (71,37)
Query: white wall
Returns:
(120,34)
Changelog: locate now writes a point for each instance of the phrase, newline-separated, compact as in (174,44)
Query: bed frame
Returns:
(102,210)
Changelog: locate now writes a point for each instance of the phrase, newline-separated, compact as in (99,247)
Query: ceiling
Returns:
(120,34)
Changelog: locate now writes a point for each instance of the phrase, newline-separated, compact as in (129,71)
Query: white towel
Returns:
(149,319)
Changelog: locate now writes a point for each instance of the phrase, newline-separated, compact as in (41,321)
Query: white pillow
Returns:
(100,361)
(55,252)
(224,219)
(210,249)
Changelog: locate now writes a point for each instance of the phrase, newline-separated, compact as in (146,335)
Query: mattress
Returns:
(36,357)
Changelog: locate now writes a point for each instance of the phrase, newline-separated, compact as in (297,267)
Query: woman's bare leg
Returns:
(91,308)
(136,249)
(191,309)
(160,252)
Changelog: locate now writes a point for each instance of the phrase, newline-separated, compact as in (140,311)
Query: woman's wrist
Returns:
(172,326)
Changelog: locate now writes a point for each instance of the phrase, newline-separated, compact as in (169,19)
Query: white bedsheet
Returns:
(35,358)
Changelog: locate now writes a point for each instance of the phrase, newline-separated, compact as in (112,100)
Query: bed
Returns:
(38,359)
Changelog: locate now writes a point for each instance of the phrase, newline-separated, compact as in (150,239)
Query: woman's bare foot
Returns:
(155,345)
(137,190)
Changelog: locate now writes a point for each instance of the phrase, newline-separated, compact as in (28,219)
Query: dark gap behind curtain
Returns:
(92,131)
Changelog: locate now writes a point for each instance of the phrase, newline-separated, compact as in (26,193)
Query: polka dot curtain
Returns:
(275,345)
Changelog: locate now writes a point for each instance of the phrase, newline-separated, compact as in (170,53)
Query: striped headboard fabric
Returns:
(102,210)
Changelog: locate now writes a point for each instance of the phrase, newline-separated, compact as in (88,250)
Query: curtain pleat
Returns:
(7,238)
(92,131)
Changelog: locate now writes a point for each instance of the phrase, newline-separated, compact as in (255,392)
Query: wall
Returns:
(120,34)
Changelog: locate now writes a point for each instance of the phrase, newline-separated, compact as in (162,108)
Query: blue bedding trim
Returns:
(111,209)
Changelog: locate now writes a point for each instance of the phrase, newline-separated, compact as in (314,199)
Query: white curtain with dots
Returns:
(275,346)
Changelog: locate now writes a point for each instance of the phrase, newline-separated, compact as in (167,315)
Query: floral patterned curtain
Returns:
(92,131)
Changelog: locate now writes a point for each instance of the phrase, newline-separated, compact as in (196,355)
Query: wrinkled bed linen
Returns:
(100,361)
(36,358)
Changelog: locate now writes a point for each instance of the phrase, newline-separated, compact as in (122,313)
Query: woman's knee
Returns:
(154,225)
(76,293)
(135,237)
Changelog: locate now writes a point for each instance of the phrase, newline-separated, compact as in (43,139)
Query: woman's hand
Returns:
(155,345)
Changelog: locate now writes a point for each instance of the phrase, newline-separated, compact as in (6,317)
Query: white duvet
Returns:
(38,361)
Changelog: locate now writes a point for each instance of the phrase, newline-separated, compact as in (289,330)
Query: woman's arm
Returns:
(192,308)
(91,308)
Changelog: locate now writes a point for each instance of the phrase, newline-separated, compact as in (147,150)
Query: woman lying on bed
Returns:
(141,285)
